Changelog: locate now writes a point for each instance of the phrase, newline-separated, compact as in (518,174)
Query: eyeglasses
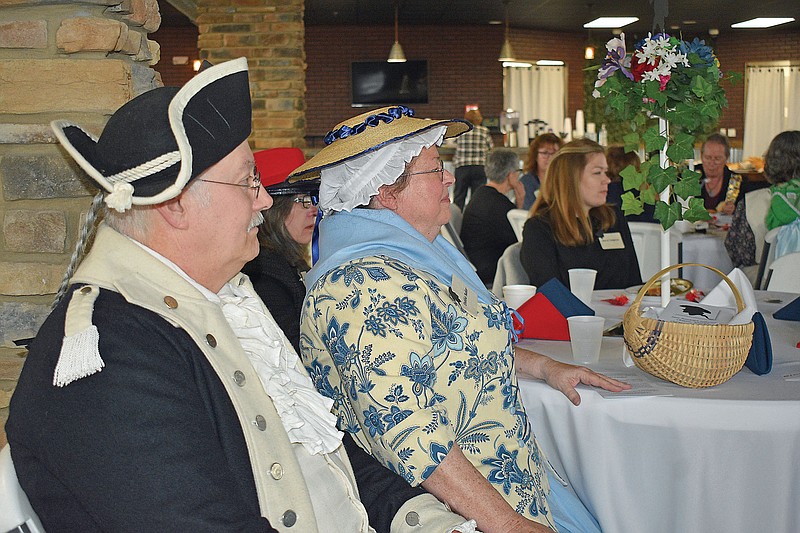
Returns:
(255,187)
(546,154)
(307,200)
(434,171)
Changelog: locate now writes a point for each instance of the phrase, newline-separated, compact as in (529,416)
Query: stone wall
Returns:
(78,60)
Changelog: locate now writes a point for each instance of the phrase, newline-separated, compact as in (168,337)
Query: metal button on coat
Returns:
(261,423)
(211,340)
(289,518)
(171,302)
(276,471)
(412,519)
(238,378)
(86,290)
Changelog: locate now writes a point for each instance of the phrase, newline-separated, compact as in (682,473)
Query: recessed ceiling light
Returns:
(762,22)
(610,22)
(688,22)
(516,64)
(495,22)
(675,27)
(549,62)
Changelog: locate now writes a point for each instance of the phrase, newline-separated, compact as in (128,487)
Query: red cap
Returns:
(276,164)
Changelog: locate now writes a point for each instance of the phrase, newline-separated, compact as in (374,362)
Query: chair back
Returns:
(517,217)
(767,256)
(646,238)
(509,270)
(456,217)
(756,205)
(16,513)
(783,276)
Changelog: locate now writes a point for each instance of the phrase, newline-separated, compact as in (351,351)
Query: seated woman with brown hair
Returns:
(572,226)
(540,152)
(618,159)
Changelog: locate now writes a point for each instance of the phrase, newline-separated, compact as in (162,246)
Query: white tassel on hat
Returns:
(80,356)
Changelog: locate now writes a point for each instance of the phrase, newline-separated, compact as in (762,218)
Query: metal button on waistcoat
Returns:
(261,423)
(276,471)
(86,290)
(211,340)
(289,518)
(241,281)
(412,519)
(238,378)
(171,302)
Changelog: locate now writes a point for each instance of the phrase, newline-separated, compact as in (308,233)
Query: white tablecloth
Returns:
(723,459)
(707,249)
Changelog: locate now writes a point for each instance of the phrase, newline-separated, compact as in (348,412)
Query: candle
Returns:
(568,129)
(590,127)
(580,128)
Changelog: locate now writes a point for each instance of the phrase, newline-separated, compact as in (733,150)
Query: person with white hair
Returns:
(160,394)
(417,355)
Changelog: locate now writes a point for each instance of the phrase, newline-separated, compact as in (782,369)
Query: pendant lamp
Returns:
(396,54)
(506,54)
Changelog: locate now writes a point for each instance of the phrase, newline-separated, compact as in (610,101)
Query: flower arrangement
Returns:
(675,80)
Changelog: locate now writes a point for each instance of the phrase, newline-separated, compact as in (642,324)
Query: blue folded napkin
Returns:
(759,359)
(566,302)
(790,311)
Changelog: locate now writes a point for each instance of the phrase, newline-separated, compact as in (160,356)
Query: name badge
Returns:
(465,296)
(612,241)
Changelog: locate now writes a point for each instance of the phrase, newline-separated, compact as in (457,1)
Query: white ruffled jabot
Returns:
(305,413)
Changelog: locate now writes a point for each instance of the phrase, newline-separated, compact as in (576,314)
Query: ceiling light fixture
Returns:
(550,63)
(762,22)
(588,53)
(610,22)
(396,54)
(506,54)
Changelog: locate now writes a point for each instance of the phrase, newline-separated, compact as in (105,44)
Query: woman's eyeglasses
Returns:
(256,186)
(439,170)
(307,200)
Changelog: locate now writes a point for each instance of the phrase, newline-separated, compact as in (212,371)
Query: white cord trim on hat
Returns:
(147,168)
(352,183)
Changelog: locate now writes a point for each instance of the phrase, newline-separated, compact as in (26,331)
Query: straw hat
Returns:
(369,132)
(152,146)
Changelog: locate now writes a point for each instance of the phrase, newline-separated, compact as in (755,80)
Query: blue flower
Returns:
(375,326)
(392,314)
(395,416)
(407,304)
(373,421)
(699,47)
(505,470)
(437,453)
(334,341)
(319,376)
(420,371)
(350,273)
(446,328)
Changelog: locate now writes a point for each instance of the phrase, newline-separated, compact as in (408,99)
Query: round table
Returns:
(707,249)
(718,459)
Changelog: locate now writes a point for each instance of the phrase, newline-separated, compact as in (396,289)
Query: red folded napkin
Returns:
(542,320)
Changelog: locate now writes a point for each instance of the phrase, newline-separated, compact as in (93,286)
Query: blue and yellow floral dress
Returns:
(412,371)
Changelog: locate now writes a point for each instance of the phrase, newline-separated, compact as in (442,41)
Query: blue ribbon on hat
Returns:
(371,121)
(315,238)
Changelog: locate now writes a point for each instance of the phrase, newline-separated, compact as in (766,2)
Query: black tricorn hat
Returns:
(155,144)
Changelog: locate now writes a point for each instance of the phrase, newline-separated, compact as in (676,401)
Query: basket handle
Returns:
(638,300)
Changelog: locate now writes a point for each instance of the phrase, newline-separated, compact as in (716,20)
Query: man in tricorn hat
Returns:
(160,395)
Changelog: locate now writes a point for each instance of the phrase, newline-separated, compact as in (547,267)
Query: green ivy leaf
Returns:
(711,110)
(682,148)
(632,178)
(648,195)
(631,205)
(617,101)
(661,178)
(653,140)
(689,184)
(696,211)
(667,214)
(701,87)
(652,90)
(631,141)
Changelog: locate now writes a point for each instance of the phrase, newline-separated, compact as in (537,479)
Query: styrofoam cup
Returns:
(581,283)
(585,338)
(516,295)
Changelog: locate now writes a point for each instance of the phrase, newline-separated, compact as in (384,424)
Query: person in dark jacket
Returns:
(285,236)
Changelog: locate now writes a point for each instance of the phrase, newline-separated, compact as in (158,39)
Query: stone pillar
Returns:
(270,34)
(74,59)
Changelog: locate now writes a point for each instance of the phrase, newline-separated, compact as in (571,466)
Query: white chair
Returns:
(517,217)
(767,256)
(16,513)
(456,217)
(646,238)
(509,270)
(783,274)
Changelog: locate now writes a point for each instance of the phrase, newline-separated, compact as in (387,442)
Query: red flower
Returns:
(662,82)
(638,69)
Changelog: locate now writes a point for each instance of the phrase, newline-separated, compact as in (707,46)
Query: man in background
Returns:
(470,155)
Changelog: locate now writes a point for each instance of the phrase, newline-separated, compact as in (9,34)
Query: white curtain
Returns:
(537,92)
(772,106)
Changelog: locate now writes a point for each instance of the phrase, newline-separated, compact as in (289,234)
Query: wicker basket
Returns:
(691,355)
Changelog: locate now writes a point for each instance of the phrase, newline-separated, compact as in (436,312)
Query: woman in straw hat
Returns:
(417,355)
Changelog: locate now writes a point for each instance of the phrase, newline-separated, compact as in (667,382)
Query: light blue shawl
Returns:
(346,236)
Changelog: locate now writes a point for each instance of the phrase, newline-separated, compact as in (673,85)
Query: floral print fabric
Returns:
(412,371)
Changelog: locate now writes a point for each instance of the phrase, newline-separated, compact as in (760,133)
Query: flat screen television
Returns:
(381,83)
